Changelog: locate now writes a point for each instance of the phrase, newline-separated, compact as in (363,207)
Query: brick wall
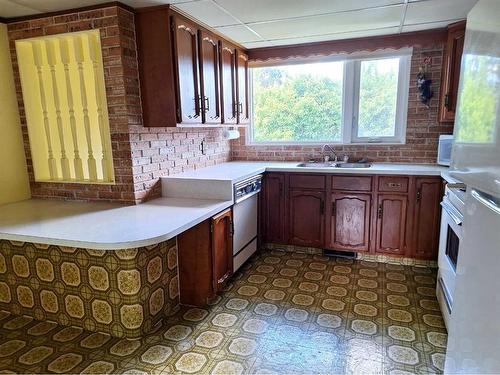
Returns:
(423,129)
(140,155)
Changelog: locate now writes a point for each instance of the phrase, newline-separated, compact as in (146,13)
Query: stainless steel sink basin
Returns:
(316,165)
(353,165)
(334,165)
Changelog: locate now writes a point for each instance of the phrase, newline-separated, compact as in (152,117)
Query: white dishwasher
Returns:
(245,210)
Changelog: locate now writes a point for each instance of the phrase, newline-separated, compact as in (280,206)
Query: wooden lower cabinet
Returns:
(391,224)
(350,222)
(273,202)
(205,259)
(427,217)
(306,217)
(222,248)
(393,215)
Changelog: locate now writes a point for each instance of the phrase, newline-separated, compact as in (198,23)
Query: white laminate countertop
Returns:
(103,226)
(189,198)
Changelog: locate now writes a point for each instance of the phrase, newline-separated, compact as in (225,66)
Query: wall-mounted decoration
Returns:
(424,83)
(62,80)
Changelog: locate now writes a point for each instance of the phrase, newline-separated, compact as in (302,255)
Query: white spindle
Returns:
(66,60)
(94,56)
(37,58)
(79,48)
(52,60)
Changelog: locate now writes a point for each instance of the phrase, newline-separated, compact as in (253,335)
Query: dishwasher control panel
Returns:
(247,188)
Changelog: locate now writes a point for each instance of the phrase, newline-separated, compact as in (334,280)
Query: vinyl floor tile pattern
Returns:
(283,313)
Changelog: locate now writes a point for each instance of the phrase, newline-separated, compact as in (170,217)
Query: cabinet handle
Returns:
(207,104)
(322,207)
(380,211)
(334,209)
(447,101)
(231,228)
(240,107)
(394,185)
(419,195)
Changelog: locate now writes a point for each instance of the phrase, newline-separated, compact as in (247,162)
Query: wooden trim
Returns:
(396,41)
(68,11)
(3,20)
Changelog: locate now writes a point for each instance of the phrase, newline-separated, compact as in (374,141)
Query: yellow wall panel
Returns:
(14,185)
(62,80)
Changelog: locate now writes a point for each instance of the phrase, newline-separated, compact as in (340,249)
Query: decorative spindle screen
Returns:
(62,80)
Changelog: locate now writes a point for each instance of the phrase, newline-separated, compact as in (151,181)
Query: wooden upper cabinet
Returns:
(273,208)
(227,60)
(350,222)
(185,38)
(427,217)
(451,71)
(306,217)
(209,69)
(222,248)
(391,224)
(242,87)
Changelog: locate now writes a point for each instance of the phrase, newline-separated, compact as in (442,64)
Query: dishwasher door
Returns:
(245,223)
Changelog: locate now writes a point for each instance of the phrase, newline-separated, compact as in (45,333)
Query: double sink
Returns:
(334,165)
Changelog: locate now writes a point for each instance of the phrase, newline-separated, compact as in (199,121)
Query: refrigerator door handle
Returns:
(487,200)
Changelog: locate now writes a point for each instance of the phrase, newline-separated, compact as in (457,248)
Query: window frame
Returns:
(350,99)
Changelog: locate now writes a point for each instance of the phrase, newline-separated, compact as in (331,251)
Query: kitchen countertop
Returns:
(103,226)
(189,198)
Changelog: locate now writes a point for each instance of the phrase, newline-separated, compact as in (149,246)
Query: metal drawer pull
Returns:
(394,184)
(451,211)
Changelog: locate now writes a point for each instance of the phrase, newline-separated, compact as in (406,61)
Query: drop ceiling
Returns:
(262,23)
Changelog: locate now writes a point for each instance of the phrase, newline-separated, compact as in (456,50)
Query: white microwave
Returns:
(444,149)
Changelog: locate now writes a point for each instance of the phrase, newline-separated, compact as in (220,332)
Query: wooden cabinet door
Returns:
(451,72)
(186,71)
(242,87)
(273,208)
(306,217)
(427,217)
(222,248)
(228,83)
(350,222)
(391,224)
(209,68)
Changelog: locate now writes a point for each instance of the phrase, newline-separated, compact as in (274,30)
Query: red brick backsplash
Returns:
(140,155)
(422,132)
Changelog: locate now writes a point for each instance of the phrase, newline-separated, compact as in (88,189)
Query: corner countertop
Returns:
(237,171)
(189,198)
(103,226)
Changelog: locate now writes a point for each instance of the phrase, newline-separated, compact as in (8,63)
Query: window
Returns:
(337,101)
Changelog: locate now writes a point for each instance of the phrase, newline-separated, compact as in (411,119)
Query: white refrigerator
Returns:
(474,327)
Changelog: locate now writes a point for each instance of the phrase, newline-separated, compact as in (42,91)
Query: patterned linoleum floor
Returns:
(283,313)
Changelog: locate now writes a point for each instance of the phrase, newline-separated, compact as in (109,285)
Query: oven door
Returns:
(449,241)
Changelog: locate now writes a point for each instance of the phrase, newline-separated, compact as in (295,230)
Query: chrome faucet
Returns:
(332,151)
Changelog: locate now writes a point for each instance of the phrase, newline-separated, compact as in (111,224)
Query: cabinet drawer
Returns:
(393,184)
(352,183)
(307,181)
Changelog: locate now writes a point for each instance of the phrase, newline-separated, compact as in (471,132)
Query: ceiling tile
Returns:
(426,26)
(207,12)
(11,9)
(330,24)
(265,10)
(437,10)
(238,33)
(322,38)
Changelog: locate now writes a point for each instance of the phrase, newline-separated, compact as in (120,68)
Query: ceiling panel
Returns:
(437,10)
(265,10)
(426,26)
(330,24)
(322,38)
(238,33)
(207,12)
(11,9)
